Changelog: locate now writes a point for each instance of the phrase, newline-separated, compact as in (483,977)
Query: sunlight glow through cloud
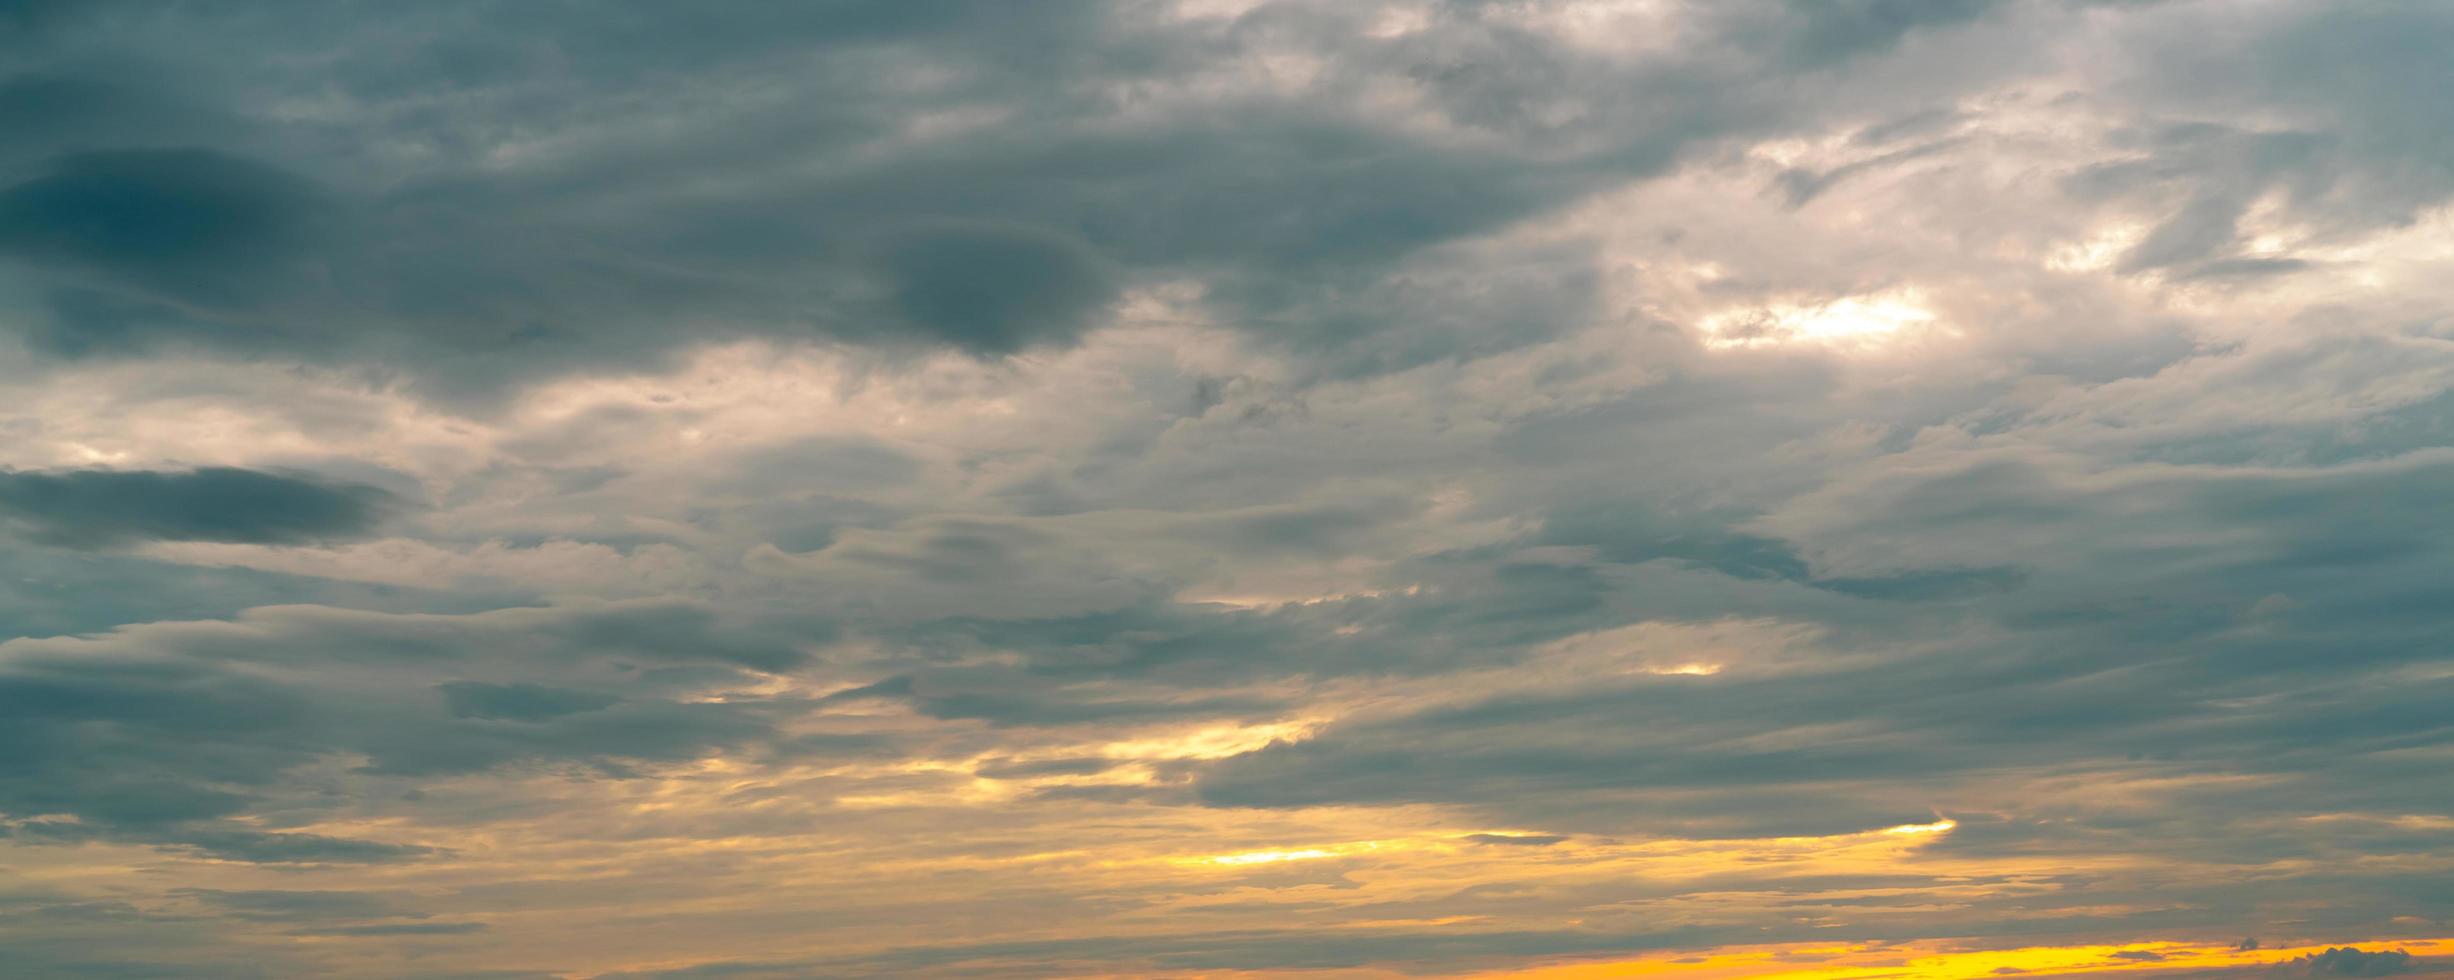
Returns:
(1271,857)
(1848,322)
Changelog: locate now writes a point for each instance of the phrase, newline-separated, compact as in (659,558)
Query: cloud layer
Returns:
(1162,487)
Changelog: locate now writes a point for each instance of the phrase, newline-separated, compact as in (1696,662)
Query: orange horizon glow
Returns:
(1934,961)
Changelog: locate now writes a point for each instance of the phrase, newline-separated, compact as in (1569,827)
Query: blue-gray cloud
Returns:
(89,508)
(2347,961)
(219,223)
(161,734)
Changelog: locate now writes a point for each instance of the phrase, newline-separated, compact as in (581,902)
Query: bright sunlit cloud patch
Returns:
(1848,322)
(1282,856)
(2098,251)
(1272,857)
(1210,742)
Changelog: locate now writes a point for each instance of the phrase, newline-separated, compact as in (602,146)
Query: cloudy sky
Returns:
(1188,488)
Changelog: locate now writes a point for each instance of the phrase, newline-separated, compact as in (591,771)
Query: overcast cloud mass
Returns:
(1196,488)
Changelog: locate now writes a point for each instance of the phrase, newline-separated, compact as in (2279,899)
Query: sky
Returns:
(1829,490)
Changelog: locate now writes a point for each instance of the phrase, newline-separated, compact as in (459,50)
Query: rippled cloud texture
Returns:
(1579,488)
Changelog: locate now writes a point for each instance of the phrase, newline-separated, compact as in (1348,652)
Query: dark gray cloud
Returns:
(162,734)
(93,508)
(51,592)
(2076,669)
(187,224)
(518,702)
(476,217)
(1818,35)
(996,289)
(2347,144)
(2347,961)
